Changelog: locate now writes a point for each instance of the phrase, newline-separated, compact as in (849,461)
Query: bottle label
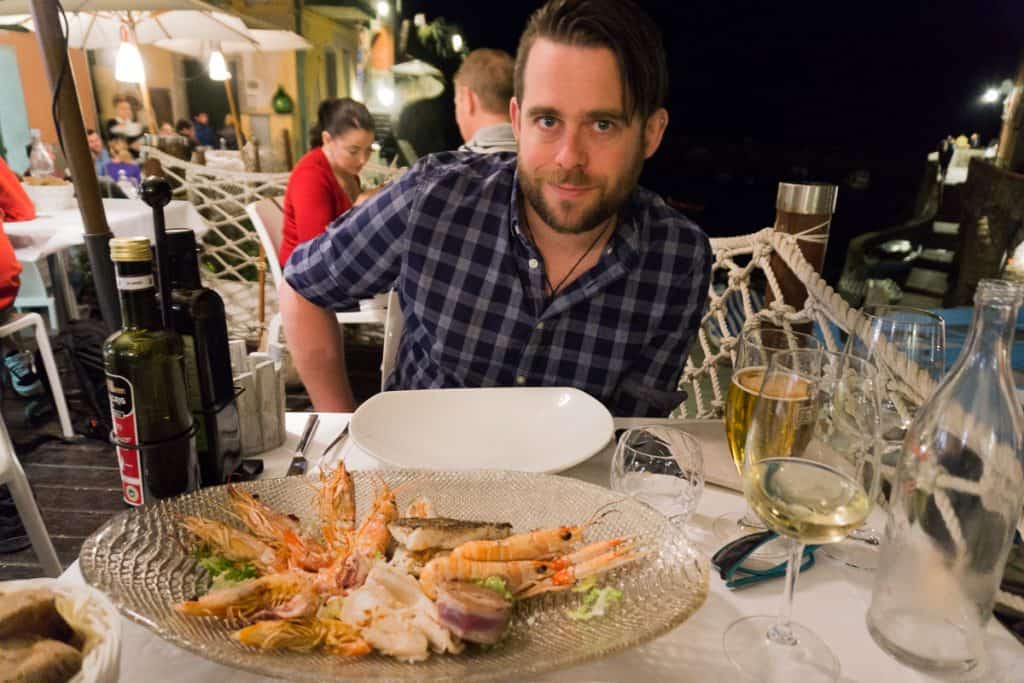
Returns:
(122,410)
(131,283)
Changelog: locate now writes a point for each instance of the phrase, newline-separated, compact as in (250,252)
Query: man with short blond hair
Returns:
(483,88)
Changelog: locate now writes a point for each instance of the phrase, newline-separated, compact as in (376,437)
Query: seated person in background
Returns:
(185,129)
(548,268)
(166,128)
(228,134)
(122,161)
(124,125)
(100,156)
(483,88)
(325,182)
(204,134)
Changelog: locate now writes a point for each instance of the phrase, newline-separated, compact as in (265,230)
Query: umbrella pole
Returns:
(151,121)
(79,158)
(234,113)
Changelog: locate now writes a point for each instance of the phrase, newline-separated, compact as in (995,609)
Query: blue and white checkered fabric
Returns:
(472,290)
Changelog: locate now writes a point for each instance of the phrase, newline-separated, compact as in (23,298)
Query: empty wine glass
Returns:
(661,466)
(894,335)
(811,473)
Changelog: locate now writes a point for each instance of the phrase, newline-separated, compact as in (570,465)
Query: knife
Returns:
(298,465)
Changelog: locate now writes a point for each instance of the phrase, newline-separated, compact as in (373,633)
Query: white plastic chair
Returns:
(13,475)
(49,364)
(394,325)
(267,217)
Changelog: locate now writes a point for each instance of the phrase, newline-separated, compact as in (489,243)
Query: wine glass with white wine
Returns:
(811,474)
(757,344)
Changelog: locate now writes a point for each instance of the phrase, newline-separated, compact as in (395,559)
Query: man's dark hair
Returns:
(488,73)
(337,116)
(89,131)
(619,25)
(182,125)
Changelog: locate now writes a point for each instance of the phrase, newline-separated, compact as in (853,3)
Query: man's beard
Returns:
(609,201)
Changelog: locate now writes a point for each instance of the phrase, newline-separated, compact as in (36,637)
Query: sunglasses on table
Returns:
(730,558)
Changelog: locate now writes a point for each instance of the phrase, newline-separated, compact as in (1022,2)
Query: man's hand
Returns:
(318,351)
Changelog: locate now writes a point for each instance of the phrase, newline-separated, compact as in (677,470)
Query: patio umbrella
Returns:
(96,24)
(72,128)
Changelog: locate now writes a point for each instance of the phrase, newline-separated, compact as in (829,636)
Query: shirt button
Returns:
(534,263)
(608,250)
(520,380)
(540,325)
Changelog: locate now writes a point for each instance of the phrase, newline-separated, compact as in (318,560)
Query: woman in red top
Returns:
(325,181)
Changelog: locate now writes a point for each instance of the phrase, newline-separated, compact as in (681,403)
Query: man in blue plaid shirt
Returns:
(546,268)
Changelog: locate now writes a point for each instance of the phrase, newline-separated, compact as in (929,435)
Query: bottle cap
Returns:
(130,249)
(807,198)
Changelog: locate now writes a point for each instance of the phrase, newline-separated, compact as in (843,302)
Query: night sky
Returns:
(761,91)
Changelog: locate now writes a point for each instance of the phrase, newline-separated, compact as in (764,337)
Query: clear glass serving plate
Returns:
(140,559)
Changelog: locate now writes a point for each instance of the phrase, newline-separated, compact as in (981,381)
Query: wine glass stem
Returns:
(781,633)
(750,519)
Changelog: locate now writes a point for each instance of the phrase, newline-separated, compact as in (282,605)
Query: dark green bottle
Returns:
(145,369)
(198,316)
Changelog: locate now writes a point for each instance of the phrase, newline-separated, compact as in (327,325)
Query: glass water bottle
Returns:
(956,502)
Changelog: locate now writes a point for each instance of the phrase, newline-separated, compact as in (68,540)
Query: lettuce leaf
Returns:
(596,603)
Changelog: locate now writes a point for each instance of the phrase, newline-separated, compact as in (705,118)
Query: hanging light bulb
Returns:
(128,67)
(457,42)
(218,66)
(383,9)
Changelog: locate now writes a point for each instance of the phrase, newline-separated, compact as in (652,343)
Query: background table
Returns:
(48,236)
(831,599)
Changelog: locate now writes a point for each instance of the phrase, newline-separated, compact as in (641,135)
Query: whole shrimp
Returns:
(336,504)
(519,575)
(372,537)
(533,545)
(291,592)
(232,543)
(264,521)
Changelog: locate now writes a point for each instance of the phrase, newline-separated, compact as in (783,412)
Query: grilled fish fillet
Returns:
(417,533)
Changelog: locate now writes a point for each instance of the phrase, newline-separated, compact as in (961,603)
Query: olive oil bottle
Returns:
(197,314)
(145,369)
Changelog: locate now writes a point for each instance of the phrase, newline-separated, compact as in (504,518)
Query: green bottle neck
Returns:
(136,288)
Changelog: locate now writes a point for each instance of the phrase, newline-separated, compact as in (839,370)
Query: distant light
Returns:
(991,96)
(128,67)
(385,95)
(383,9)
(375,147)
(419,19)
(218,67)
(457,42)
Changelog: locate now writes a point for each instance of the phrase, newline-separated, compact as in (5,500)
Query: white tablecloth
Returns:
(50,233)
(831,599)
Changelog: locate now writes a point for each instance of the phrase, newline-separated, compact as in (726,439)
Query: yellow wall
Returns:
(36,87)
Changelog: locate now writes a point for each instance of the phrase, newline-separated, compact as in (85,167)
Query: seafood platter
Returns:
(399,574)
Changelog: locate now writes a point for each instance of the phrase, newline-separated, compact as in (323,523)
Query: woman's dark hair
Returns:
(337,116)
(619,25)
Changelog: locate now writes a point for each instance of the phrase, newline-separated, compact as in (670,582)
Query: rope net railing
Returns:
(231,260)
(745,290)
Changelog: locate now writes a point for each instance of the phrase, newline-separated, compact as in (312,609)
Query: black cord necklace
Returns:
(555,289)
